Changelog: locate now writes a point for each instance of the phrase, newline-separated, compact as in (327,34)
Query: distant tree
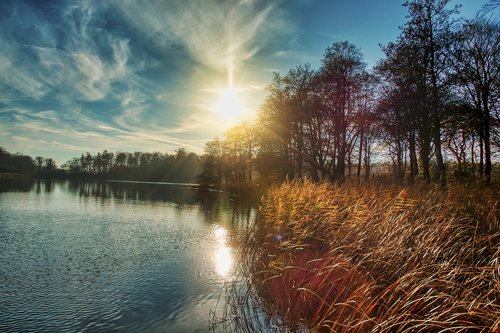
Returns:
(73,167)
(145,160)
(133,160)
(4,159)
(180,153)
(86,163)
(107,161)
(208,175)
(213,163)
(120,161)
(250,136)
(23,164)
(39,164)
(50,167)
(182,167)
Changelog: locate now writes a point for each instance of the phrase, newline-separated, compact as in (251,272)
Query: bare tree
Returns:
(475,60)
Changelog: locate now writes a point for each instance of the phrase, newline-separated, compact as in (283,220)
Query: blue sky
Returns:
(129,75)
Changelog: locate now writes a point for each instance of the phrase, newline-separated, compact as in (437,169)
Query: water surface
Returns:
(110,256)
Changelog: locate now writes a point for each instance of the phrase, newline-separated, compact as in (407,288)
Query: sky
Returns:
(139,75)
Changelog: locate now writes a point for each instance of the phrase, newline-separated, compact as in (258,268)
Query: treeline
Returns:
(15,163)
(26,165)
(179,167)
(430,107)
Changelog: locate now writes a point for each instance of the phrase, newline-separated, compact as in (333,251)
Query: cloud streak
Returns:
(215,33)
(90,75)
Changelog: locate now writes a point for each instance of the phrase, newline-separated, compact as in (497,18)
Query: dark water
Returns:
(100,257)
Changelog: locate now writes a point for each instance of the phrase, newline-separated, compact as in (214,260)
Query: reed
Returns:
(372,259)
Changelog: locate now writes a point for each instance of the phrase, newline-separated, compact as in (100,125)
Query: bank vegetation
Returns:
(371,259)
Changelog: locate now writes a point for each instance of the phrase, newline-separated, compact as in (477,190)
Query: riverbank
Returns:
(378,258)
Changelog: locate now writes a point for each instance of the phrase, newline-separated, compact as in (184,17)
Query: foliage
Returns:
(15,163)
(26,165)
(231,160)
(181,167)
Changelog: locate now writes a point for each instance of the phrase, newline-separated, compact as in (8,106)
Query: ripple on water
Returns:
(71,264)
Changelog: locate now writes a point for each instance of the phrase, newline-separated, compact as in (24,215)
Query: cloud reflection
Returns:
(223,258)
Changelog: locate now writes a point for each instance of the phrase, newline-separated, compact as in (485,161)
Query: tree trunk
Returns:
(413,158)
(360,157)
(424,157)
(436,128)
(486,132)
(367,162)
(481,155)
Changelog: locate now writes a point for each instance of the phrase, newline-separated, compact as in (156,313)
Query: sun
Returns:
(229,105)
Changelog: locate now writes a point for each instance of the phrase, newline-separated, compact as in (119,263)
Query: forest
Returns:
(180,167)
(429,110)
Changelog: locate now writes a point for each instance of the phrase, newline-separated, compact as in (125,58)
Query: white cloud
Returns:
(215,33)
(75,57)
(295,55)
(25,82)
(82,63)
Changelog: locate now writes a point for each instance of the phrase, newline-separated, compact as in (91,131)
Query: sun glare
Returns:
(223,258)
(229,105)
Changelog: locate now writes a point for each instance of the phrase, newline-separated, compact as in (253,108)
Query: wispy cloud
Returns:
(295,55)
(87,75)
(214,32)
(73,63)
(12,75)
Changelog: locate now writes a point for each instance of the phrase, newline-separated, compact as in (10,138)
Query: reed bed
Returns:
(370,259)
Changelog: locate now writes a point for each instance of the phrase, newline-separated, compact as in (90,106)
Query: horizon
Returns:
(89,76)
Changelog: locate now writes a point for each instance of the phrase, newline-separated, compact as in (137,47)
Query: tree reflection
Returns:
(15,184)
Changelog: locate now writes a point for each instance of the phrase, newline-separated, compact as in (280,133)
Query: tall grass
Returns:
(373,259)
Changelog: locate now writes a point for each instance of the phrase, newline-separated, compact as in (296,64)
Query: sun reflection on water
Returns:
(223,257)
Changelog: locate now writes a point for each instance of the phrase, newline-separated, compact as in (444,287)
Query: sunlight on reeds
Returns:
(370,259)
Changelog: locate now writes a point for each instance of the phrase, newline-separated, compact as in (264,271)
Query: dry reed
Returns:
(372,259)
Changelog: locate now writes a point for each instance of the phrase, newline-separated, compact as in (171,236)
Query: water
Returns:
(100,257)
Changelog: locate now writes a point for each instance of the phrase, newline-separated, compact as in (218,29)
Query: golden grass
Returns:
(377,258)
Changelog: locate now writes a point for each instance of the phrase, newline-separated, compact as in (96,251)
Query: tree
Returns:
(403,113)
(214,160)
(364,119)
(49,167)
(340,76)
(275,156)
(429,29)
(120,161)
(475,63)
(208,175)
(39,164)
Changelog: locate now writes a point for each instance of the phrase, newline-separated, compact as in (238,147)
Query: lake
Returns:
(114,256)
